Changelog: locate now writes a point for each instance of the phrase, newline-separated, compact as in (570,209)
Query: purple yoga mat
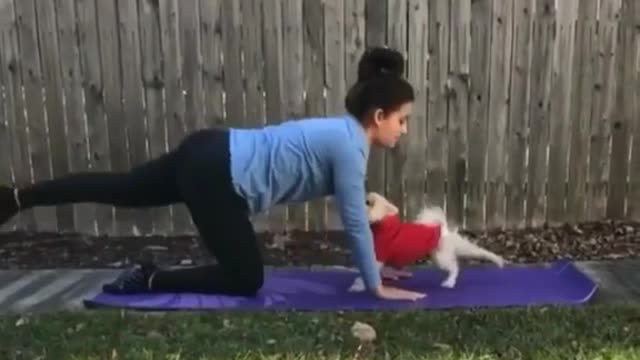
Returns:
(560,283)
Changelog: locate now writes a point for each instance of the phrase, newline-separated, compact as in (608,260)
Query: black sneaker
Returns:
(8,205)
(132,281)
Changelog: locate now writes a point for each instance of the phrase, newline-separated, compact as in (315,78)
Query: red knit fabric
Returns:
(399,244)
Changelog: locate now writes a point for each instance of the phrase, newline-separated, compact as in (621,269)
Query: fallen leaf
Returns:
(21,321)
(363,332)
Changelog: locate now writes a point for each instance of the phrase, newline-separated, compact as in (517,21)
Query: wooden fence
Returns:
(526,109)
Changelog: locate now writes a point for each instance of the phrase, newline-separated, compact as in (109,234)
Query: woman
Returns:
(223,176)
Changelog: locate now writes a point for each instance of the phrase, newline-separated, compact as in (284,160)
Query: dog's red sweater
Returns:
(399,243)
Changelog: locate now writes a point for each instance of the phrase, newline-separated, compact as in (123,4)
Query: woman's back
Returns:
(293,161)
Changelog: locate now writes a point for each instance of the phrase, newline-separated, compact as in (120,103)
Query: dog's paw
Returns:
(449,283)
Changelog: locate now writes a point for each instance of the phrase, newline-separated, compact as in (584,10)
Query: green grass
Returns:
(593,332)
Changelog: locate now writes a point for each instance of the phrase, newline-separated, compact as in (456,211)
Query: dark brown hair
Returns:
(380,84)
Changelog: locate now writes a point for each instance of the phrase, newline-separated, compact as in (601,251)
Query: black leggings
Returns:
(197,174)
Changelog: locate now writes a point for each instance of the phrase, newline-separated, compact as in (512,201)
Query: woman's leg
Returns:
(150,184)
(222,218)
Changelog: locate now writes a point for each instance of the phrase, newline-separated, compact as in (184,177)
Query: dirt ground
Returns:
(586,241)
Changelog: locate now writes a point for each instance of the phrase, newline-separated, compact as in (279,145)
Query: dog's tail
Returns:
(467,249)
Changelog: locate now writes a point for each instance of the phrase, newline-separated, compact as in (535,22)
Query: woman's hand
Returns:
(394,293)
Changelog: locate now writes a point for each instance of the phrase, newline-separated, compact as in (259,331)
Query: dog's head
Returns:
(378,207)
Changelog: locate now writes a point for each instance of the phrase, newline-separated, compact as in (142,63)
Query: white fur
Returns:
(451,247)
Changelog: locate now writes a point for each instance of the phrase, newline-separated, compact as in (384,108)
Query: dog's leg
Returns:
(447,261)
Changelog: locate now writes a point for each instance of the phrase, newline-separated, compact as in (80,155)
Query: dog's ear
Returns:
(378,207)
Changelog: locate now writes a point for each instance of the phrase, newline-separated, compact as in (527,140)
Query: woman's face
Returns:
(387,128)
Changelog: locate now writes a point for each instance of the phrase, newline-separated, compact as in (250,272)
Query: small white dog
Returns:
(428,235)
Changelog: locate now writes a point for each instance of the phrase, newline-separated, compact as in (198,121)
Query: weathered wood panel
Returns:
(376,35)
(274,83)
(559,121)
(623,110)
(478,111)
(174,97)
(439,30)
(459,71)
(499,103)
(524,111)
(314,64)
(14,110)
(397,157)
(153,84)
(94,102)
(132,101)
(32,80)
(602,108)
(253,55)
(580,117)
(544,33)
(292,58)
(71,78)
(417,65)
(335,79)
(632,110)
(519,102)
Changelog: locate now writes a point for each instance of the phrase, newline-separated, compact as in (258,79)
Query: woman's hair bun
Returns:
(378,61)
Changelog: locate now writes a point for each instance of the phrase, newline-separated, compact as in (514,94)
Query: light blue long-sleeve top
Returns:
(299,160)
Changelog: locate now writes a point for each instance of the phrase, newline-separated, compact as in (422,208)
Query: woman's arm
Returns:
(349,171)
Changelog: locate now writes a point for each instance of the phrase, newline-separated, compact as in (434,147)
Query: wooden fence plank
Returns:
(459,68)
(15,110)
(112,85)
(94,102)
(604,90)
(335,79)
(621,122)
(633,115)
(481,16)
(397,157)
(54,110)
(34,104)
(518,114)
(416,165)
(438,96)
(581,116)
(559,121)
(254,74)
(527,133)
(6,161)
(174,97)
(376,35)
(501,43)
(314,64)
(190,56)
(293,86)
(272,45)
(212,70)
(232,79)
(71,77)
(543,53)
(132,103)
(153,84)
